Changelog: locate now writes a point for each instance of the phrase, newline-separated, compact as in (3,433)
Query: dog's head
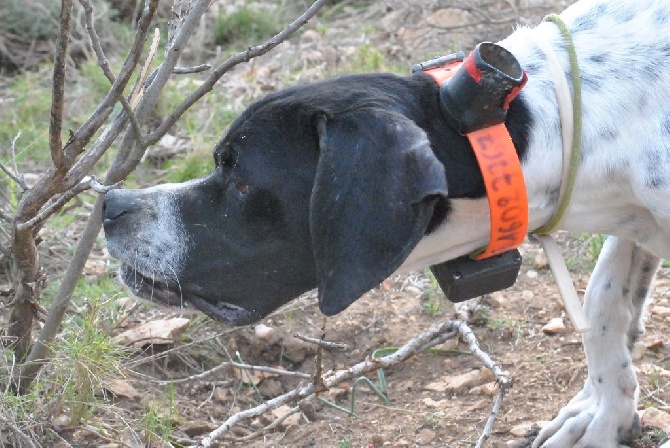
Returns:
(329,185)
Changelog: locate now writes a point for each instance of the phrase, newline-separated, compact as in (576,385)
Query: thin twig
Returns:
(55,204)
(270,427)
(20,434)
(6,216)
(321,342)
(100,188)
(195,69)
(503,381)
(104,65)
(136,93)
(403,353)
(228,64)
(15,176)
(21,183)
(86,131)
(238,365)
(58,90)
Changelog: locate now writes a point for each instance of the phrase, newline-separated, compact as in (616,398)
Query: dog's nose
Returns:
(118,203)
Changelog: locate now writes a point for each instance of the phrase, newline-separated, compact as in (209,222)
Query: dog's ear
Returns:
(376,186)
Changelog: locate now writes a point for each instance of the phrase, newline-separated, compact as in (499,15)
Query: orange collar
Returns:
(501,170)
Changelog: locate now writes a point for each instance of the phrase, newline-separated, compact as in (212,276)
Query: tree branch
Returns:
(58,90)
(104,65)
(228,64)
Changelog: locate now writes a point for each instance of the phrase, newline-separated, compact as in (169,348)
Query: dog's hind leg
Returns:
(604,413)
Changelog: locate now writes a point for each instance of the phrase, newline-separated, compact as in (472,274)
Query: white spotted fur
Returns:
(622,189)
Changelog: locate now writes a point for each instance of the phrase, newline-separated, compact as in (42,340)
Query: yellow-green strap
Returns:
(577,134)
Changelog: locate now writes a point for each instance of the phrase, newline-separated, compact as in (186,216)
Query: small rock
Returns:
(497,300)
(555,326)
(281,411)
(531,273)
(161,331)
(639,350)
(262,331)
(540,261)
(657,419)
(270,388)
(194,429)
(376,441)
(461,383)
(660,311)
(655,344)
(429,402)
(426,436)
(521,429)
(220,394)
(527,295)
(310,36)
(121,388)
(488,389)
(62,421)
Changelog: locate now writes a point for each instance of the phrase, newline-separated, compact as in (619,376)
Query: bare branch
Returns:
(25,439)
(6,216)
(21,184)
(238,365)
(15,176)
(231,62)
(104,65)
(136,93)
(503,381)
(58,91)
(427,339)
(321,342)
(86,131)
(100,188)
(194,69)
(55,204)
(403,353)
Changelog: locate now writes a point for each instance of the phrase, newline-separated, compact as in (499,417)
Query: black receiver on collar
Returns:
(475,97)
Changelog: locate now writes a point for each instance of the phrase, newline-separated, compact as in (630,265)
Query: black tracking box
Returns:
(464,278)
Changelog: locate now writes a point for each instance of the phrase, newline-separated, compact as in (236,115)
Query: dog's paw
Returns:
(593,420)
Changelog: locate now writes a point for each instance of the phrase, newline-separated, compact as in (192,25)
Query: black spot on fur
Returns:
(592,82)
(641,291)
(599,58)
(532,68)
(625,291)
(665,124)
(626,16)
(608,133)
(585,23)
(600,380)
(632,433)
(661,17)
(656,182)
(608,285)
(624,365)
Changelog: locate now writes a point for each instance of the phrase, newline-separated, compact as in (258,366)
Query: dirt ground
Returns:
(424,411)
(547,369)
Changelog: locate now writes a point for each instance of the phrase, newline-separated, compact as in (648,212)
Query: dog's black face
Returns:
(329,185)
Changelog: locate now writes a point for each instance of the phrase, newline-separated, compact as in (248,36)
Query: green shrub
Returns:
(246,25)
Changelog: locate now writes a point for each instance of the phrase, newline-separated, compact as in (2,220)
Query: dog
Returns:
(341,183)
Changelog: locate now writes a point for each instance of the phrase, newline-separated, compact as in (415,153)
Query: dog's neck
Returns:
(606,197)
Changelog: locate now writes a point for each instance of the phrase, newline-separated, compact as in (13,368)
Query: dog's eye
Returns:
(225,158)
(241,186)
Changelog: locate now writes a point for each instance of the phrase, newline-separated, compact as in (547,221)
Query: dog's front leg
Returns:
(604,413)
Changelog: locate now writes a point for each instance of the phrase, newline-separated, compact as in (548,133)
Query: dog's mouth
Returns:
(169,292)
